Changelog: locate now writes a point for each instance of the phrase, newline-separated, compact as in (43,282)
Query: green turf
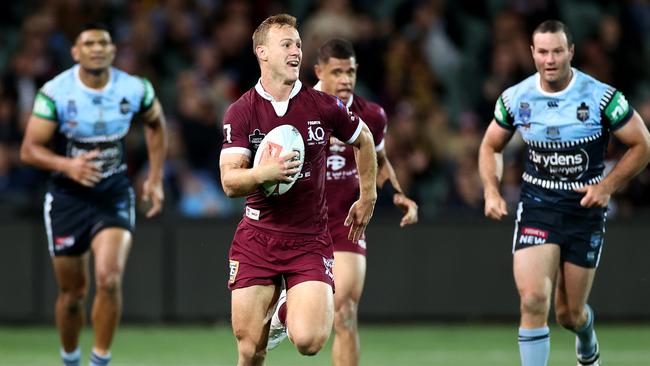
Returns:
(396,345)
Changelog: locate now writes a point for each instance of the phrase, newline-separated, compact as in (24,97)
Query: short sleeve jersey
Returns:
(565,134)
(89,119)
(342,185)
(317,116)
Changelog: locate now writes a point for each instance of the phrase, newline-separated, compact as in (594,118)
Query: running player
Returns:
(77,130)
(337,74)
(565,118)
(285,238)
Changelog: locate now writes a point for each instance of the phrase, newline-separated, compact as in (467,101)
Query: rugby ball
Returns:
(280,141)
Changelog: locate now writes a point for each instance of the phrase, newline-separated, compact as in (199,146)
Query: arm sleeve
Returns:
(346,126)
(236,132)
(44,106)
(615,110)
(378,125)
(503,114)
(148,96)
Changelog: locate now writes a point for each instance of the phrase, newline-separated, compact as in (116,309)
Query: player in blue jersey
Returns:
(565,118)
(77,131)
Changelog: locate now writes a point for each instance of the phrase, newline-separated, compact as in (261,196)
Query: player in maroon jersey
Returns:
(285,237)
(337,72)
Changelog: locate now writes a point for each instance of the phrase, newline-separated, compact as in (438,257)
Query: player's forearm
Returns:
(156,138)
(490,165)
(634,160)
(239,182)
(367,166)
(386,172)
(42,157)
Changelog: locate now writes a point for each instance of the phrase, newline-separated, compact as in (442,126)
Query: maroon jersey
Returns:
(301,210)
(342,187)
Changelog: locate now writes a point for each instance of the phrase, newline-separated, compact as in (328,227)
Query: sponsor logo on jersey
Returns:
(125,106)
(582,112)
(524,111)
(62,242)
(533,236)
(71,109)
(255,139)
(562,165)
(552,104)
(335,162)
(97,100)
(596,239)
(234,268)
(252,213)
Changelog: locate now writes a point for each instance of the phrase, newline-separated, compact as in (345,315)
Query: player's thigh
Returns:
(535,269)
(310,308)
(574,285)
(349,276)
(251,309)
(111,247)
(71,272)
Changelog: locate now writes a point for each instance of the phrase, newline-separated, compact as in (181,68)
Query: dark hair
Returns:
(336,48)
(93,26)
(553,26)
(278,20)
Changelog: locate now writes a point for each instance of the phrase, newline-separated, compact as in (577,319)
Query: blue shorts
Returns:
(579,234)
(71,221)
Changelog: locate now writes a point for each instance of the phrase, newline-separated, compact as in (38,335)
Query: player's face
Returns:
(338,76)
(94,50)
(552,56)
(284,52)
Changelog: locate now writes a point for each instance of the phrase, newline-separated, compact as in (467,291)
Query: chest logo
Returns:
(71,109)
(524,111)
(125,106)
(256,138)
(582,112)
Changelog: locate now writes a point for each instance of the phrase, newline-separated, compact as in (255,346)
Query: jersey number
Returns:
(226,130)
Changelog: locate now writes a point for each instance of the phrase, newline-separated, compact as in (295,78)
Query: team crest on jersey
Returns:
(329,263)
(125,106)
(524,111)
(256,138)
(553,133)
(71,109)
(582,112)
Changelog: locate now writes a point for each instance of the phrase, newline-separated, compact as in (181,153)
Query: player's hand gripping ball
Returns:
(281,140)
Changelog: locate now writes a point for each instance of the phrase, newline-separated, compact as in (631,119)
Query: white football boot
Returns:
(592,360)
(278,331)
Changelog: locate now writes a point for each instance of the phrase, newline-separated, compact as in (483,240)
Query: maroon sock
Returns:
(282,313)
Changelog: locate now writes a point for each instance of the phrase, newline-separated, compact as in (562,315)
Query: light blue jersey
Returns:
(566,134)
(90,119)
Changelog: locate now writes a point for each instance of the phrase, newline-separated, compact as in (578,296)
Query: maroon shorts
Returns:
(339,233)
(259,257)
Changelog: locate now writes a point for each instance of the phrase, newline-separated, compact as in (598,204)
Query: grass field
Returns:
(383,345)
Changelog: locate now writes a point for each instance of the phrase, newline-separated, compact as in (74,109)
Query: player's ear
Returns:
(261,52)
(74,51)
(318,71)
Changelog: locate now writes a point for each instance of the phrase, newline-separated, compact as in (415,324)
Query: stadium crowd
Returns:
(436,66)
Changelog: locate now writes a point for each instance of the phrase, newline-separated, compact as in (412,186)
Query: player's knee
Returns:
(73,300)
(567,317)
(309,344)
(534,302)
(345,316)
(250,351)
(109,282)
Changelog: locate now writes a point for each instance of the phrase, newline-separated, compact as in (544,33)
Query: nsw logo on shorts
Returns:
(234,268)
(532,236)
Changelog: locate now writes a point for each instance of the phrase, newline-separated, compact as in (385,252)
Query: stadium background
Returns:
(437,68)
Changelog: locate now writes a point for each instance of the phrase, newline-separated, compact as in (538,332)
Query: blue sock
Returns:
(534,346)
(71,358)
(586,345)
(97,360)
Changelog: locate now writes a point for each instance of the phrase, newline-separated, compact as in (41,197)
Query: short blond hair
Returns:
(278,20)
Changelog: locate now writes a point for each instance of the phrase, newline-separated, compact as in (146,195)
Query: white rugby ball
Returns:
(280,141)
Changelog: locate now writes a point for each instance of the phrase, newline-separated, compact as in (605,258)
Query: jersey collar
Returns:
(319,87)
(260,90)
(538,84)
(92,90)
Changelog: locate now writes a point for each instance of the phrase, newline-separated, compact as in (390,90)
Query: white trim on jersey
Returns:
(47,211)
(237,150)
(356,133)
(538,84)
(319,87)
(380,147)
